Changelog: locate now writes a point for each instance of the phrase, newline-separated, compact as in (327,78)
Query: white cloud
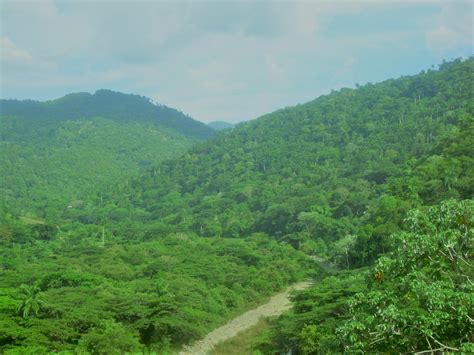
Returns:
(12,54)
(442,38)
(454,29)
(213,60)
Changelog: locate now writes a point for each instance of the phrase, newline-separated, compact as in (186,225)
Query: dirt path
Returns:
(278,304)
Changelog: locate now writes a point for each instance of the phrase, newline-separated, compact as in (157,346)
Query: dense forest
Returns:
(220,125)
(66,151)
(104,103)
(378,179)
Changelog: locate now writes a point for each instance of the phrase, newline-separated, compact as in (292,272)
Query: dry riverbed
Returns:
(275,306)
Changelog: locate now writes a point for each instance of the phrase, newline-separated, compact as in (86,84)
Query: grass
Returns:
(243,343)
(29,220)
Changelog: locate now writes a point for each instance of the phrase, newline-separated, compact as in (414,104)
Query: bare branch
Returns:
(432,351)
(429,344)
(445,346)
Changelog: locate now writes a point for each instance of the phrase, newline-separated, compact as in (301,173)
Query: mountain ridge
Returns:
(74,147)
(220,125)
(333,158)
(151,261)
(108,104)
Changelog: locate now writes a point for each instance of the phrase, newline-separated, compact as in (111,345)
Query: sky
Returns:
(223,60)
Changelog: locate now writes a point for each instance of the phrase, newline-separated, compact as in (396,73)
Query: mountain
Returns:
(220,125)
(70,149)
(107,104)
(349,163)
(370,179)
(379,178)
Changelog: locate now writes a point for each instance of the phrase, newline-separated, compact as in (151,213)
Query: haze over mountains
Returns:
(220,125)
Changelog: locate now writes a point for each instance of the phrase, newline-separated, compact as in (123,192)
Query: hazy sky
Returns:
(223,60)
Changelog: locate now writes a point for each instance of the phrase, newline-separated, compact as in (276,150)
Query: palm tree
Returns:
(31,301)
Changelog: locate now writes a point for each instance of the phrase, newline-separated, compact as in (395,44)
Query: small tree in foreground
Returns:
(421,295)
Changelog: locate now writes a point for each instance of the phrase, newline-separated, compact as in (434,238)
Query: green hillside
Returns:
(105,103)
(352,162)
(73,277)
(220,125)
(351,177)
(73,148)
(378,179)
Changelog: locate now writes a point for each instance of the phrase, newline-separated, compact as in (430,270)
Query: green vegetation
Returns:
(105,103)
(416,298)
(310,327)
(245,342)
(74,161)
(220,125)
(31,301)
(350,163)
(127,251)
(421,296)
(129,297)
(68,151)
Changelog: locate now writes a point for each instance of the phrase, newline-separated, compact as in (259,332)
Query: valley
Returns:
(129,227)
(275,306)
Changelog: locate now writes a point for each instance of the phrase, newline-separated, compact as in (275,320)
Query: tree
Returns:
(342,247)
(110,338)
(420,295)
(31,300)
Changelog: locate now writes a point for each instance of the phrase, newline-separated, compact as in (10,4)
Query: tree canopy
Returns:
(122,234)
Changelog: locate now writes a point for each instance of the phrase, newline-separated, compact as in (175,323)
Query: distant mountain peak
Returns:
(220,125)
(108,104)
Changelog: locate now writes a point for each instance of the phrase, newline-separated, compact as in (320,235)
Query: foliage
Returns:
(349,163)
(135,247)
(63,167)
(416,298)
(105,103)
(420,295)
(109,338)
(310,327)
(160,293)
(67,153)
(220,125)
(31,301)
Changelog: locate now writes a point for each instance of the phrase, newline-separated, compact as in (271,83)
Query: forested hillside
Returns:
(378,178)
(67,151)
(392,188)
(105,103)
(349,163)
(73,275)
(220,125)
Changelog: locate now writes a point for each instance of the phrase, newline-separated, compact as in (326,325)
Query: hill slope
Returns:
(350,162)
(109,104)
(167,256)
(72,148)
(355,176)
(220,125)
